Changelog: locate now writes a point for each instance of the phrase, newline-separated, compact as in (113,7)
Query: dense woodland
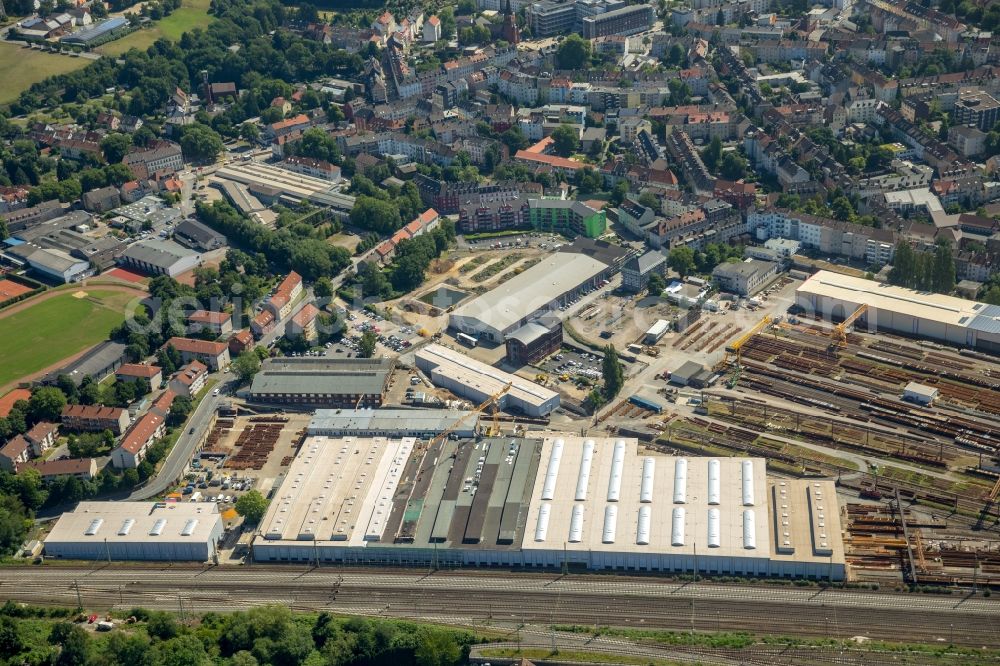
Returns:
(270,635)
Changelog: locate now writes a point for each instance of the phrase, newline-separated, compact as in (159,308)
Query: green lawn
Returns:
(23,67)
(46,333)
(192,14)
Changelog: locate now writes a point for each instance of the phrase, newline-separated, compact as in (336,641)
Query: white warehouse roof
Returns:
(136,530)
(622,501)
(478,380)
(924,305)
(521,296)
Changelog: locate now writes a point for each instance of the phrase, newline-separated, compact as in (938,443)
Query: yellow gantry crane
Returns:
(492,400)
(840,330)
(736,346)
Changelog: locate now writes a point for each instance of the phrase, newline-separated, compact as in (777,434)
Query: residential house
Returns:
(94,418)
(262,324)
(303,323)
(161,159)
(41,437)
(102,199)
(132,372)
(140,437)
(213,354)
(240,342)
(281,301)
(16,451)
(219,323)
(637,270)
(83,469)
(189,380)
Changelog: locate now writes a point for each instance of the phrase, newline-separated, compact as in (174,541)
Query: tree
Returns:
(366,348)
(944,268)
(712,153)
(437,649)
(13,524)
(376,215)
(180,408)
(656,284)
(677,55)
(115,146)
(74,643)
(733,166)
(200,143)
(612,372)
(46,404)
(252,506)
(246,366)
(323,288)
(573,53)
(681,259)
(161,625)
(11,642)
(181,651)
(565,140)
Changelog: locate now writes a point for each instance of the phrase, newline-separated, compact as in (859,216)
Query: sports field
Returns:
(44,334)
(192,14)
(23,67)
(9,289)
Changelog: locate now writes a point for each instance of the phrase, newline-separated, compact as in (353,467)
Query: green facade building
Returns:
(569,218)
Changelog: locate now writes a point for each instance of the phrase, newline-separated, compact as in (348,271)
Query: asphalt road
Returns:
(501,598)
(183,449)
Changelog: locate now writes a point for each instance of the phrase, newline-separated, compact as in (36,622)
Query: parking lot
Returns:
(528,239)
(568,365)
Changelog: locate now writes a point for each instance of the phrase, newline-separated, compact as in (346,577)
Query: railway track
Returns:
(489,597)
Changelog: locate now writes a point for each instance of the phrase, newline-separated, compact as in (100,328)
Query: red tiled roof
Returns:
(300,119)
(138,370)
(40,431)
(188,373)
(243,337)
(305,315)
(140,433)
(264,318)
(15,447)
(208,317)
(192,346)
(92,412)
(162,403)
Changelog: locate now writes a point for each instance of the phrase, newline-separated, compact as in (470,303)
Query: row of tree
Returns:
(926,271)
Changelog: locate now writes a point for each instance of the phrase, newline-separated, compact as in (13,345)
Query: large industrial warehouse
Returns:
(914,313)
(169,531)
(478,381)
(544,286)
(321,382)
(551,501)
